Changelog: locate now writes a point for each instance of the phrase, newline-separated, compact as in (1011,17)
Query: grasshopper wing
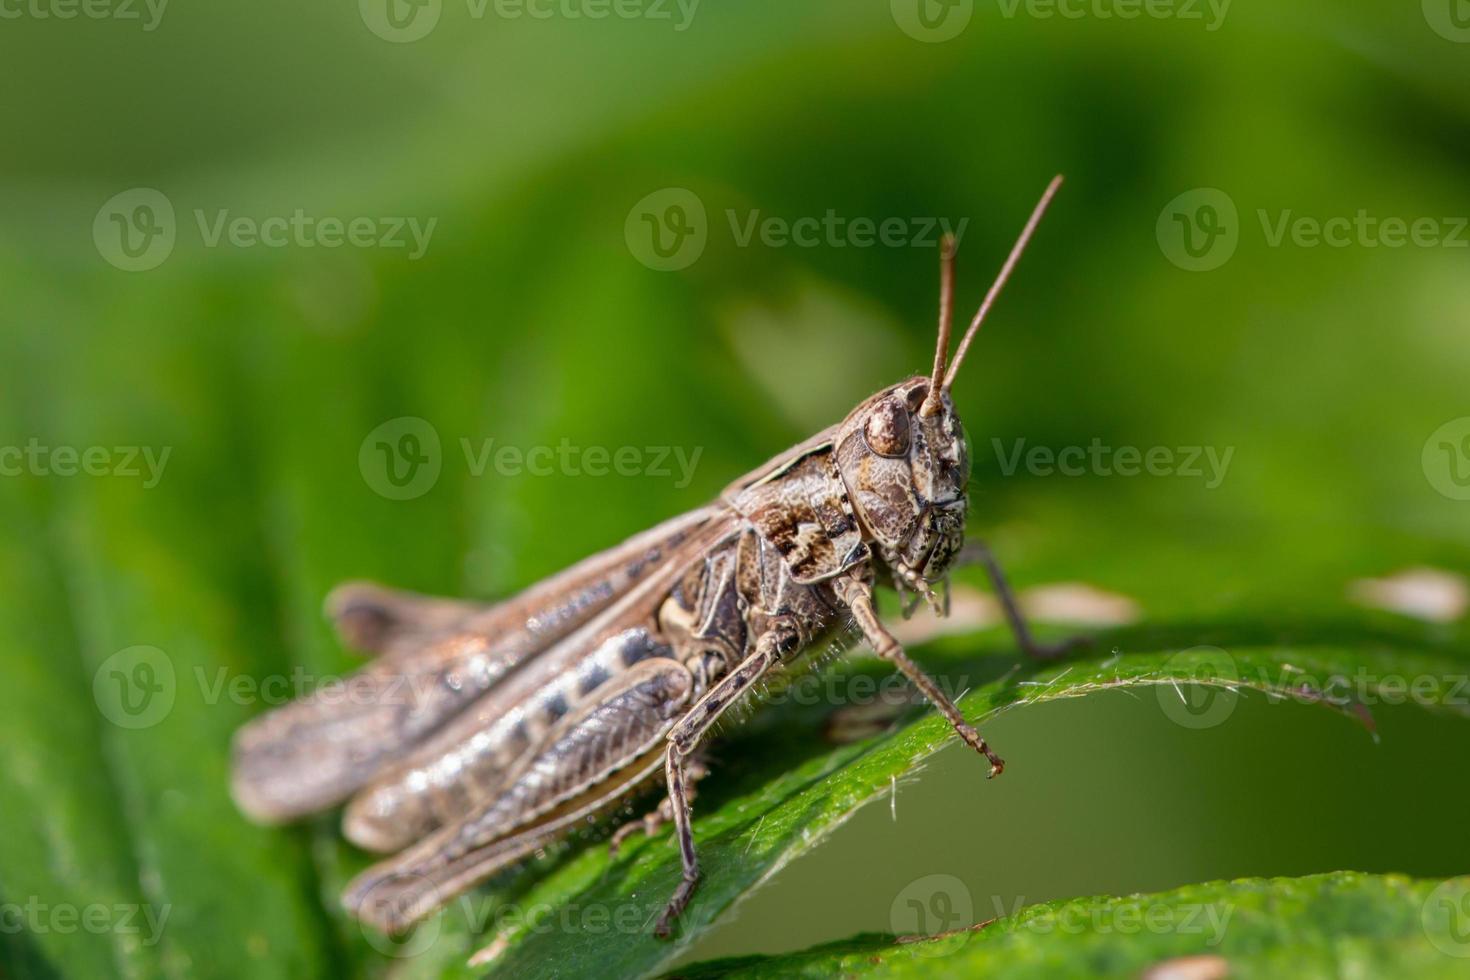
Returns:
(489,748)
(437,657)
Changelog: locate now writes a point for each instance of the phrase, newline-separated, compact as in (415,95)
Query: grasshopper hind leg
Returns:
(595,756)
(779,640)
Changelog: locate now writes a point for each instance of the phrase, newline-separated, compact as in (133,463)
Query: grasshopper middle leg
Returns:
(980,551)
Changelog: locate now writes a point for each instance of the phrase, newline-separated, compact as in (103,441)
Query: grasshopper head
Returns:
(902,452)
(906,474)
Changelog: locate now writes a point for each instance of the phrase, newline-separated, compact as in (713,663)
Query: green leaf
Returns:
(783,792)
(1333,925)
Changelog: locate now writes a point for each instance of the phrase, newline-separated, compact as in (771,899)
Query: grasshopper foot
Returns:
(677,904)
(973,739)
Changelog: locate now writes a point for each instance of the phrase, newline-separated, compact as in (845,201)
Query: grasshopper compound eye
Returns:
(887,431)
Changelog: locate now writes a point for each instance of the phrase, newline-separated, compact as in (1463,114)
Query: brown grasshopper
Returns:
(481,733)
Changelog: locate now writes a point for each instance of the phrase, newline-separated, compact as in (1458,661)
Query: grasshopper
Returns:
(481,733)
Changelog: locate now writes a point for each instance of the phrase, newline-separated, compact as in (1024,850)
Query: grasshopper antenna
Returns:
(1000,280)
(946,323)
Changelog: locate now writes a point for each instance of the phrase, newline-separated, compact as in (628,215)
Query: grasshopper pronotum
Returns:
(480,733)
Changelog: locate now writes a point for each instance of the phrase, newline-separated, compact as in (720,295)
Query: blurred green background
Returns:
(533,316)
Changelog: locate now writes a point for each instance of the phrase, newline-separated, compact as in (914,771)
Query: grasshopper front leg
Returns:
(856,592)
(780,639)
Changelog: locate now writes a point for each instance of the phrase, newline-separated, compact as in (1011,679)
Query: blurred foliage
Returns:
(528,321)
